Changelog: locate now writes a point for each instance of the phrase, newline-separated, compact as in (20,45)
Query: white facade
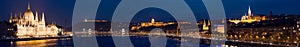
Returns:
(31,25)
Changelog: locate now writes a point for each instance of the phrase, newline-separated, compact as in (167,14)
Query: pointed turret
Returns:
(36,16)
(28,6)
(204,23)
(10,19)
(42,20)
(53,23)
(10,16)
(43,17)
(249,11)
(205,26)
(15,14)
(20,15)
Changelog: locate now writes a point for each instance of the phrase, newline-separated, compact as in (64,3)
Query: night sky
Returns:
(61,10)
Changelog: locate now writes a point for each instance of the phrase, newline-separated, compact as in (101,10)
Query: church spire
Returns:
(204,23)
(152,20)
(208,23)
(249,11)
(205,26)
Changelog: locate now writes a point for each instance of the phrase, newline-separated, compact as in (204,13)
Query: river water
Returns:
(103,41)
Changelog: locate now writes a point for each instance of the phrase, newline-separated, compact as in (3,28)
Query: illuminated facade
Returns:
(31,25)
(151,23)
(250,18)
(205,26)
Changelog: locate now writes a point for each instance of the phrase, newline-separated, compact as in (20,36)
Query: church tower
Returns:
(205,26)
(152,20)
(249,11)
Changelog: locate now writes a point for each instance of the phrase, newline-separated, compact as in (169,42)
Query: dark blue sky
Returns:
(62,10)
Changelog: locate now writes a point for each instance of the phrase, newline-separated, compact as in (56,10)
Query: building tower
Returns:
(29,24)
(10,18)
(152,20)
(249,11)
(205,26)
(29,14)
(36,16)
(43,20)
(28,6)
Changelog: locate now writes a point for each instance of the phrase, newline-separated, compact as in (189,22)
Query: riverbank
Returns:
(34,38)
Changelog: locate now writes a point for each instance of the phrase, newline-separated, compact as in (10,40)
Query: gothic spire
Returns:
(208,23)
(204,23)
(20,15)
(43,17)
(249,11)
(11,16)
(15,14)
(36,16)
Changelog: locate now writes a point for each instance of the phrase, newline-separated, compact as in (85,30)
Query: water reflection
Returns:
(61,42)
(36,43)
(107,41)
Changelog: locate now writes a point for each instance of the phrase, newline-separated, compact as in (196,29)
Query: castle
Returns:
(250,18)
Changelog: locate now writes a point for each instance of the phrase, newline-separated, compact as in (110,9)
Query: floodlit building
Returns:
(29,24)
(152,23)
(205,25)
(250,18)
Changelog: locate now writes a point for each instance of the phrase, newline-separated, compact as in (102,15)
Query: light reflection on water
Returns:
(36,43)
(61,42)
(103,41)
